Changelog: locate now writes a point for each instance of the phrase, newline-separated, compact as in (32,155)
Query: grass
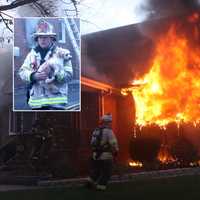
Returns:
(186,187)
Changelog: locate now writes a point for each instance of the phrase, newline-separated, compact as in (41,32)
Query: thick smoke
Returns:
(162,8)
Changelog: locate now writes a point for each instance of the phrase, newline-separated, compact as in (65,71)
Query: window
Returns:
(61,32)
(21,123)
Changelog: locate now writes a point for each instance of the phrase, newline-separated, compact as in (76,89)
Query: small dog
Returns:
(55,64)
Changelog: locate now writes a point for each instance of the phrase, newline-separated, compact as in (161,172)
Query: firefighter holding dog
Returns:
(105,147)
(47,69)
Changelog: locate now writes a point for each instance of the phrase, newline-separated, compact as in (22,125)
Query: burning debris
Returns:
(164,155)
(135,164)
(156,147)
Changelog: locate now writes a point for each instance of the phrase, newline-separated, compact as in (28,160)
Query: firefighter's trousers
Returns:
(101,171)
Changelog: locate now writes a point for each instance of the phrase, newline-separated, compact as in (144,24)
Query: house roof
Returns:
(116,55)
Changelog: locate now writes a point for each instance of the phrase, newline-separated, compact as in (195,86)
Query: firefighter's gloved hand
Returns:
(39,76)
(45,67)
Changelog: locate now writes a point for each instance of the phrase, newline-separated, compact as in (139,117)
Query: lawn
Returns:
(179,188)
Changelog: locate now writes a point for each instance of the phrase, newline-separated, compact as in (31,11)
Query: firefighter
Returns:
(105,148)
(47,69)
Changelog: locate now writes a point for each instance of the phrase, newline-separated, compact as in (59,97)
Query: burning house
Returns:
(147,76)
(156,63)
(168,92)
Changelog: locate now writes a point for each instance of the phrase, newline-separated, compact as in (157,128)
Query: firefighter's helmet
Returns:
(44,28)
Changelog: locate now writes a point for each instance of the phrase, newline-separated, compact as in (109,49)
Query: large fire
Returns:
(169,92)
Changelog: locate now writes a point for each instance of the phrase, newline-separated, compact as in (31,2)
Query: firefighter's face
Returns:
(45,41)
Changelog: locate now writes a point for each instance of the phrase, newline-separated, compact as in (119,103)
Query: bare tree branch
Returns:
(89,22)
(16,4)
(7,15)
(66,2)
(75,6)
(6,23)
(42,9)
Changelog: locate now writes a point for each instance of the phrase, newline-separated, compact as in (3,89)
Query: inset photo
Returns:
(46,67)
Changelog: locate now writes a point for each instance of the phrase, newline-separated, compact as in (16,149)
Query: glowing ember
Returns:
(135,164)
(194,164)
(169,92)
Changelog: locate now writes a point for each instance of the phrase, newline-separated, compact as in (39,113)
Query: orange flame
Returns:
(135,164)
(169,92)
(164,156)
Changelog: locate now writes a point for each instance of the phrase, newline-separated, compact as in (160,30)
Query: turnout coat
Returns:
(54,94)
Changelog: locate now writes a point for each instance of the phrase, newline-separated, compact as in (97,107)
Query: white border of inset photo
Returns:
(38,68)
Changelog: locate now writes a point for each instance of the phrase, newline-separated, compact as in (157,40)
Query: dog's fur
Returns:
(55,63)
